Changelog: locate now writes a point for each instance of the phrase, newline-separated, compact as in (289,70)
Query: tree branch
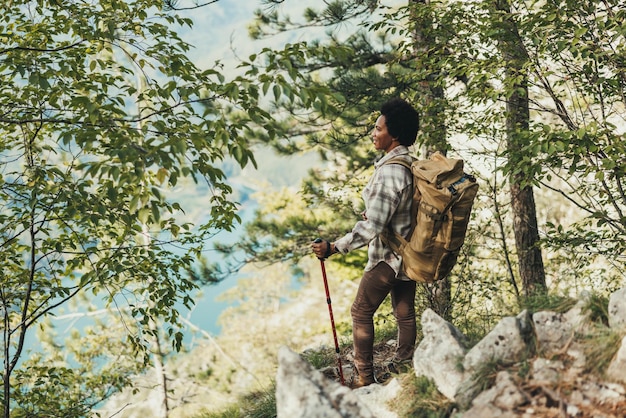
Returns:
(62,48)
(171,5)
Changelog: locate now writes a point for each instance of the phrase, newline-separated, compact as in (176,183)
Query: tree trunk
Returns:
(433,130)
(159,369)
(531,267)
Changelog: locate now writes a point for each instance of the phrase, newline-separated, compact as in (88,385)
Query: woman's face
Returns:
(383,141)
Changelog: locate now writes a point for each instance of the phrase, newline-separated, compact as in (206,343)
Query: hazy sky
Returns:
(220,30)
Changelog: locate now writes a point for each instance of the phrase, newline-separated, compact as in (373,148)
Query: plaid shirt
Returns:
(388,198)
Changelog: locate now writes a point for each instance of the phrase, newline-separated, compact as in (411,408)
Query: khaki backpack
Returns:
(443,196)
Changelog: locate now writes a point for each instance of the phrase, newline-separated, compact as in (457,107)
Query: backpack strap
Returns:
(398,160)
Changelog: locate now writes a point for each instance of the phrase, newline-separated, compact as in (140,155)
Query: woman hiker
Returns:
(387,197)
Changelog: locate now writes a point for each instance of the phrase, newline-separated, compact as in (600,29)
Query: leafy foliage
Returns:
(570,151)
(330,115)
(102,114)
(88,370)
(572,147)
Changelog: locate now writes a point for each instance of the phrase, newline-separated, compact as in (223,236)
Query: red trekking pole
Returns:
(330,312)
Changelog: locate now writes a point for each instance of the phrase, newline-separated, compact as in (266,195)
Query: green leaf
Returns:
(276,91)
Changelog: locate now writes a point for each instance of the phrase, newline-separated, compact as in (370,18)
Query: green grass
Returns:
(601,345)
(319,359)
(260,404)
(232,411)
(543,302)
(597,307)
(419,398)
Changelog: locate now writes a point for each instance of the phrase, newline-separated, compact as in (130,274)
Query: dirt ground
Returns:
(383,368)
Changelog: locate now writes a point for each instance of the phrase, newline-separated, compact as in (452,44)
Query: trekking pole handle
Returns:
(319,240)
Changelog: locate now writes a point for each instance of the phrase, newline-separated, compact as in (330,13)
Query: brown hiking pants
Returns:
(375,285)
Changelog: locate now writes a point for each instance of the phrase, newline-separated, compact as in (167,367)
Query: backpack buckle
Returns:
(452,187)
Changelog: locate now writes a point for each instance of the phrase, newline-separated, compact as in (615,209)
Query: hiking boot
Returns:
(359,381)
(397,366)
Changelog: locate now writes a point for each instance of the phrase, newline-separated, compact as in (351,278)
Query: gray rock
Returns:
(505,395)
(547,371)
(526,326)
(487,411)
(377,397)
(578,319)
(509,342)
(506,343)
(553,331)
(617,309)
(469,389)
(439,353)
(602,393)
(302,391)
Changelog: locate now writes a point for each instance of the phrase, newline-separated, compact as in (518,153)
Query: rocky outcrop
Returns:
(617,310)
(302,391)
(508,342)
(545,344)
(539,340)
(440,365)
